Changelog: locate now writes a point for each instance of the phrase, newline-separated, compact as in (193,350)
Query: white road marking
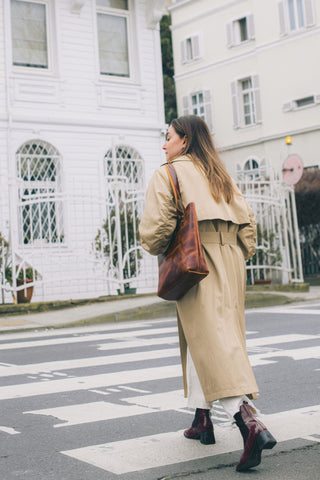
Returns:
(278,339)
(284,310)
(312,438)
(79,331)
(137,343)
(46,367)
(9,430)
(100,391)
(88,338)
(173,400)
(91,412)
(85,383)
(295,354)
(154,451)
(138,390)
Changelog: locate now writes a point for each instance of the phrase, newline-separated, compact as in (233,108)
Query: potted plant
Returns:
(105,244)
(4,258)
(268,254)
(23,276)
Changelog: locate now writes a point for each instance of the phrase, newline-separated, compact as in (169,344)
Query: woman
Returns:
(211,319)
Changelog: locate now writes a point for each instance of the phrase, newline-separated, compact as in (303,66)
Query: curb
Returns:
(160,309)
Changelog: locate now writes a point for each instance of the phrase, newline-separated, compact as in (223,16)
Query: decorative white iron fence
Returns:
(83,241)
(278,255)
(117,243)
(39,194)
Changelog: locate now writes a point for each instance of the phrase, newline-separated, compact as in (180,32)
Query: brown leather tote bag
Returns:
(183,265)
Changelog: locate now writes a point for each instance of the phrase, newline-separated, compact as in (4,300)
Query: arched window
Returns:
(126,163)
(124,176)
(39,193)
(250,168)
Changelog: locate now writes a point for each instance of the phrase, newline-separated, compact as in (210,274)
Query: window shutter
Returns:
(195,46)
(282,18)
(251,30)
(235,104)
(229,27)
(238,169)
(185,105)
(183,51)
(208,109)
(288,106)
(317,98)
(309,11)
(257,100)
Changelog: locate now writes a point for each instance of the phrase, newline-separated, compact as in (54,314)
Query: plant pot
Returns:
(266,281)
(127,291)
(25,295)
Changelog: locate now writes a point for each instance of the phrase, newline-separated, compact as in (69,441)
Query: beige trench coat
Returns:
(211,319)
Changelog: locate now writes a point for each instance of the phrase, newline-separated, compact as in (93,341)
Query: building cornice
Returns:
(268,138)
(245,55)
(19,121)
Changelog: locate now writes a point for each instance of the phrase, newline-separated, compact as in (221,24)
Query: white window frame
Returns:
(284,16)
(39,197)
(206,105)
(294,104)
(238,103)
(234,34)
(251,168)
(127,14)
(191,48)
(49,39)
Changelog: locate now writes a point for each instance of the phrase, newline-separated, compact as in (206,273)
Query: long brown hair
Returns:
(200,146)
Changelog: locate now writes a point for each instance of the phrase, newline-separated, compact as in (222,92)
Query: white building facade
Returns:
(250,68)
(81,129)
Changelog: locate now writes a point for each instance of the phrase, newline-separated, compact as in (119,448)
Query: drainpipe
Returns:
(10,161)
(117,218)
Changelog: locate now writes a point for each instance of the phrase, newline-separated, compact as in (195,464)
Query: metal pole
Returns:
(117,196)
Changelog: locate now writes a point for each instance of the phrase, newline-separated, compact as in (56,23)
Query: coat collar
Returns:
(183,158)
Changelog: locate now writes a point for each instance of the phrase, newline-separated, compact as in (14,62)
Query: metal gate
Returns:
(278,254)
(117,242)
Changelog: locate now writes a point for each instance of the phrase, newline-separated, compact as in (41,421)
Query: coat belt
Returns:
(222,238)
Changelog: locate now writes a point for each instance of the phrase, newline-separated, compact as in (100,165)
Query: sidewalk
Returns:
(122,309)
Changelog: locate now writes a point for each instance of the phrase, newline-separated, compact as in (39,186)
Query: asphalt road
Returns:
(105,402)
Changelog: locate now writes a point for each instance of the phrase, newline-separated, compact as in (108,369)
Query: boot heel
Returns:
(207,438)
(265,440)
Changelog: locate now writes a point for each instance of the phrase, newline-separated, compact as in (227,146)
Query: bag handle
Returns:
(175,186)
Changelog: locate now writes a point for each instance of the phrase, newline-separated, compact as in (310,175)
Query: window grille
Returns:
(199,103)
(250,168)
(248,102)
(124,174)
(246,105)
(40,208)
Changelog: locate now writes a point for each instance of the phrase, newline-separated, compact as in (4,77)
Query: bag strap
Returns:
(175,186)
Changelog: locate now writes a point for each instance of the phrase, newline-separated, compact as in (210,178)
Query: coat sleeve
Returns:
(247,236)
(159,218)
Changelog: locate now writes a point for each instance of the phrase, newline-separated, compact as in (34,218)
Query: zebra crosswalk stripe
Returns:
(168,448)
(149,342)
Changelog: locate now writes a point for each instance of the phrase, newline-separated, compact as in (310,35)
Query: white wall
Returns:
(287,67)
(81,114)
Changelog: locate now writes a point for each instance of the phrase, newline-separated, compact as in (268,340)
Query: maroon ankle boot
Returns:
(255,436)
(201,428)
